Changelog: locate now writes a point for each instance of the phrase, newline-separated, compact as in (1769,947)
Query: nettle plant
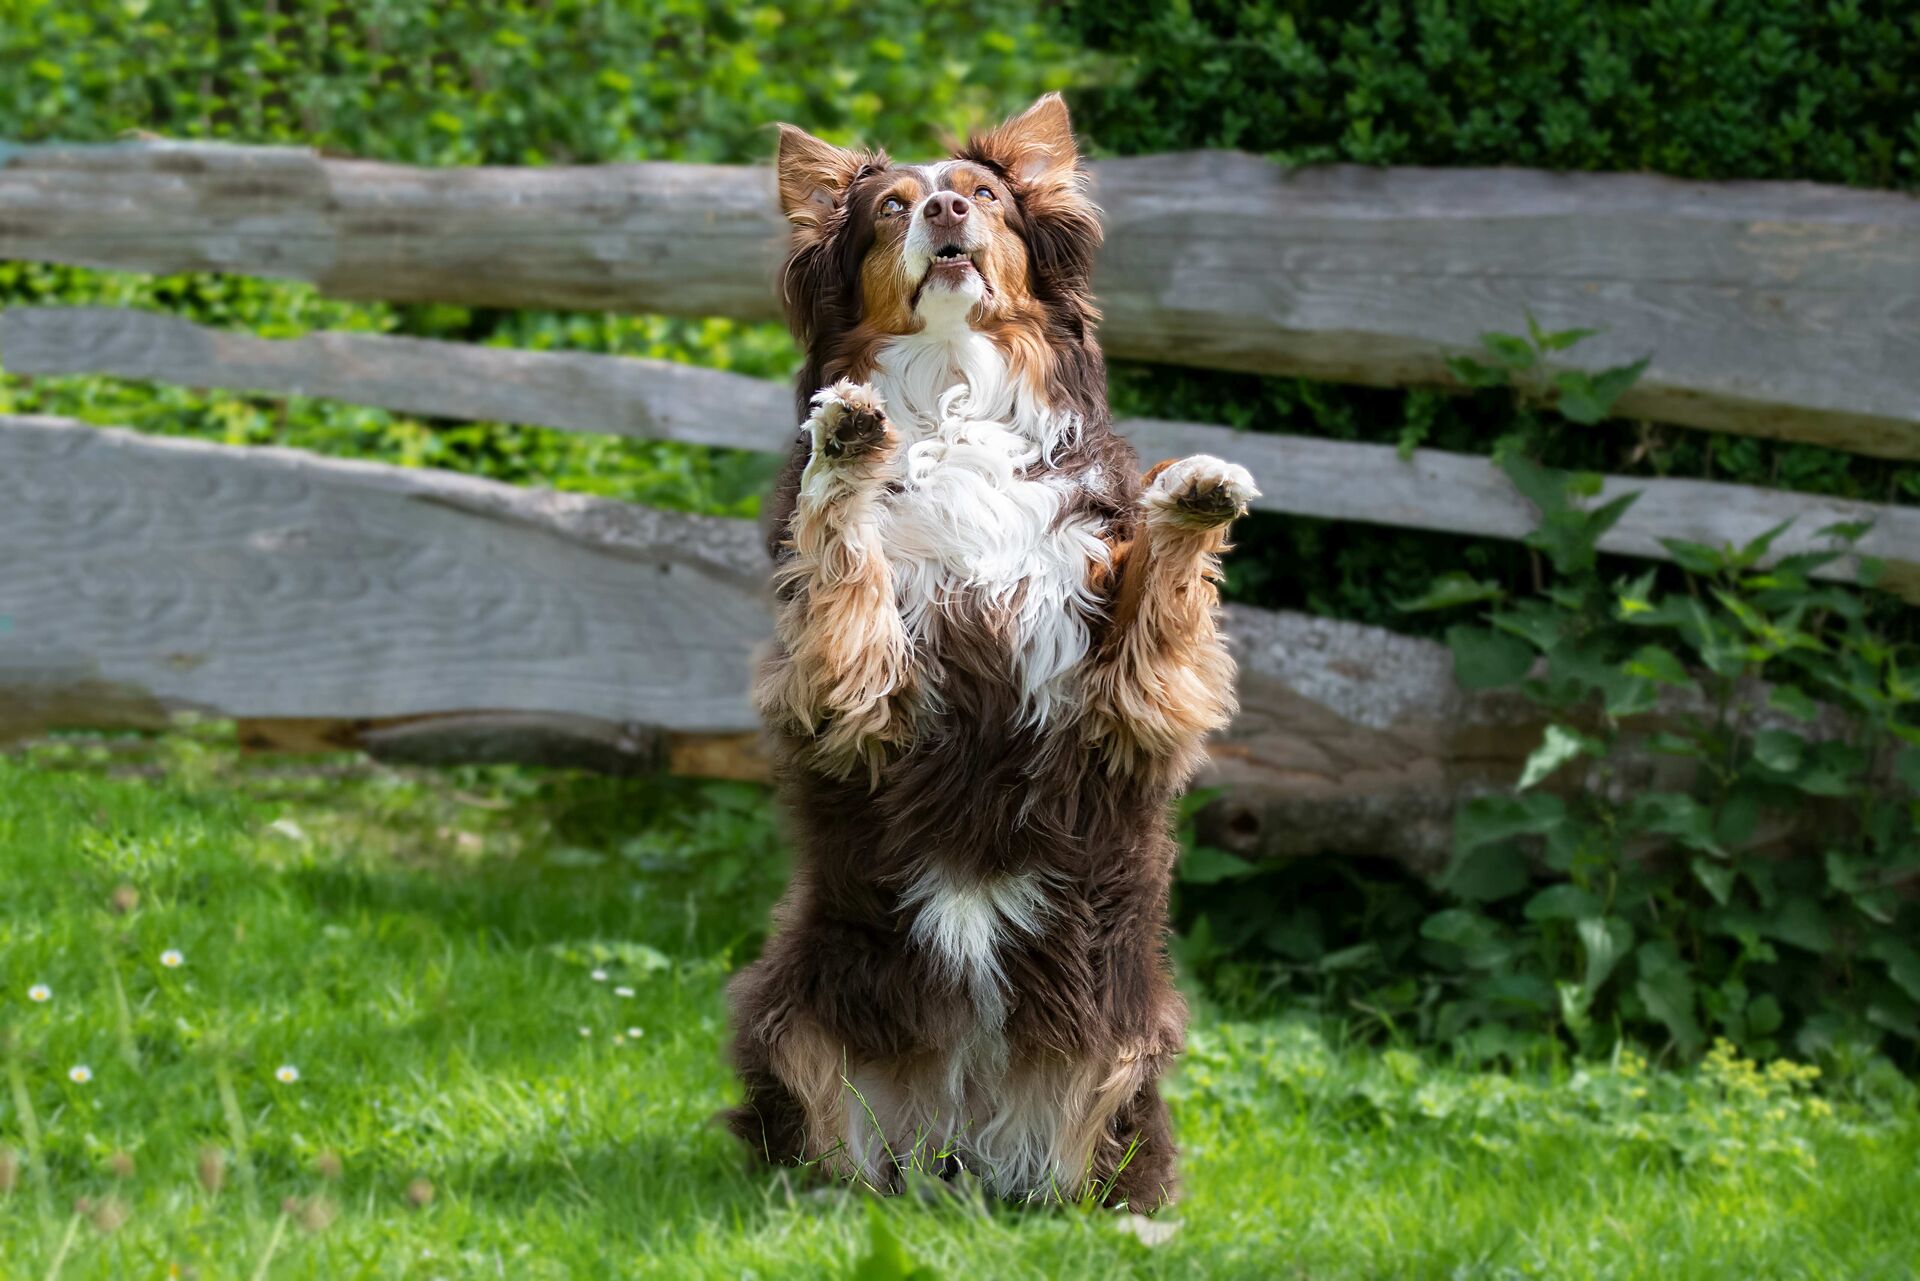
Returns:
(1716,835)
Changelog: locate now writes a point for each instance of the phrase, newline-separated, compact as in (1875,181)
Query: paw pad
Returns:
(847,421)
(1202,491)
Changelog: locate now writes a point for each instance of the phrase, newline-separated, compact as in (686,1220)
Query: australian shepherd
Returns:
(996,659)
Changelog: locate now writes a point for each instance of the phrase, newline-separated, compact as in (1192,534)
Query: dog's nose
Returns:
(946,210)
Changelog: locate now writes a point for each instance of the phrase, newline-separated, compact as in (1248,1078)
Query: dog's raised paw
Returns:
(1200,492)
(848,422)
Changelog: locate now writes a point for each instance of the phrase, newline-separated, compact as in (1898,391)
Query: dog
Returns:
(996,660)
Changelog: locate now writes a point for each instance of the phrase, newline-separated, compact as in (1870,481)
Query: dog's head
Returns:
(1000,236)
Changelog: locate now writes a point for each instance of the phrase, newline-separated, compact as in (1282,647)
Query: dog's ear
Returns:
(1035,146)
(813,176)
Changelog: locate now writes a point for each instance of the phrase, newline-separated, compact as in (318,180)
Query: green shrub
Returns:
(468,82)
(1744,89)
(1714,838)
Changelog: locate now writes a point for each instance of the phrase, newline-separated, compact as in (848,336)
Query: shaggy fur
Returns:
(995,662)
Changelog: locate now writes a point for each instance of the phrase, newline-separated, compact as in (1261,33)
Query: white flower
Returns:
(619,1038)
(79,1074)
(39,994)
(286,1074)
(598,976)
(172,959)
(636,1033)
(586,1031)
(623,991)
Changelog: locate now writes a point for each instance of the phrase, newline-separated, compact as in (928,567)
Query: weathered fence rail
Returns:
(429,616)
(661,400)
(1776,309)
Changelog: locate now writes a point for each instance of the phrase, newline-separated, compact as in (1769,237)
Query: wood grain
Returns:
(270,583)
(431,617)
(1336,480)
(1777,309)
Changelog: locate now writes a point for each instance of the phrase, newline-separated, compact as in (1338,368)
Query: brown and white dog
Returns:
(996,661)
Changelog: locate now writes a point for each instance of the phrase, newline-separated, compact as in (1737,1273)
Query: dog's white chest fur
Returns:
(967,524)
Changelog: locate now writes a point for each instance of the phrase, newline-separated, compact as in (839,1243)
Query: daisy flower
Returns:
(623,991)
(80,1074)
(172,959)
(39,994)
(636,1033)
(586,1031)
(286,1074)
(598,976)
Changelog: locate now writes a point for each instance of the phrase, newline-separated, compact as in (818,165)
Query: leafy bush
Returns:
(1743,89)
(1716,837)
(465,83)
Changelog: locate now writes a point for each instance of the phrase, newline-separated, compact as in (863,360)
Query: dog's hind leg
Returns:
(1135,1167)
(839,672)
(793,1109)
(1163,679)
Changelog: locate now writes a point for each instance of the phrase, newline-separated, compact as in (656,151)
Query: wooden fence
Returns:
(426,616)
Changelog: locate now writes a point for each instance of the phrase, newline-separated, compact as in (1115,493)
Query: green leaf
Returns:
(886,1259)
(1557,747)
(1577,399)
(1677,815)
(1297,936)
(1205,865)
(1695,558)
(1561,903)
(1657,663)
(1739,814)
(1716,877)
(1605,942)
(1906,767)
(1785,698)
(1479,939)
(1474,374)
(1764,1015)
(1487,874)
(1450,590)
(1800,921)
(1752,551)
(1779,750)
(1561,339)
(1667,990)
(1902,962)
(1612,382)
(1486,659)
(1485,819)
(1508,350)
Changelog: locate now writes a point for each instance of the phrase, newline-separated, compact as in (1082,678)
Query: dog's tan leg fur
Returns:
(1163,679)
(839,672)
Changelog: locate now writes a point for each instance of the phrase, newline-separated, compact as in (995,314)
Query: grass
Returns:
(472,1101)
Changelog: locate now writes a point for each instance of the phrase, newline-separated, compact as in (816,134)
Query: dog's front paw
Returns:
(1201,492)
(848,423)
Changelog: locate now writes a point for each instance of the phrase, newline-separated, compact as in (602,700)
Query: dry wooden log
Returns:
(434,618)
(426,616)
(1339,480)
(272,583)
(1775,309)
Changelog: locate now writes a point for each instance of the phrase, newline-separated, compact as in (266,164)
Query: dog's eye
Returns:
(892,205)
(984,193)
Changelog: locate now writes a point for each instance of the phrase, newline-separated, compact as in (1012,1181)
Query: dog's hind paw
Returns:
(1201,492)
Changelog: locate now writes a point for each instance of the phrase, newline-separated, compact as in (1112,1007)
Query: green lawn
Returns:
(472,1101)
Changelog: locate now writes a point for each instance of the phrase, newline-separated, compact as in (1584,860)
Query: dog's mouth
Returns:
(952,265)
